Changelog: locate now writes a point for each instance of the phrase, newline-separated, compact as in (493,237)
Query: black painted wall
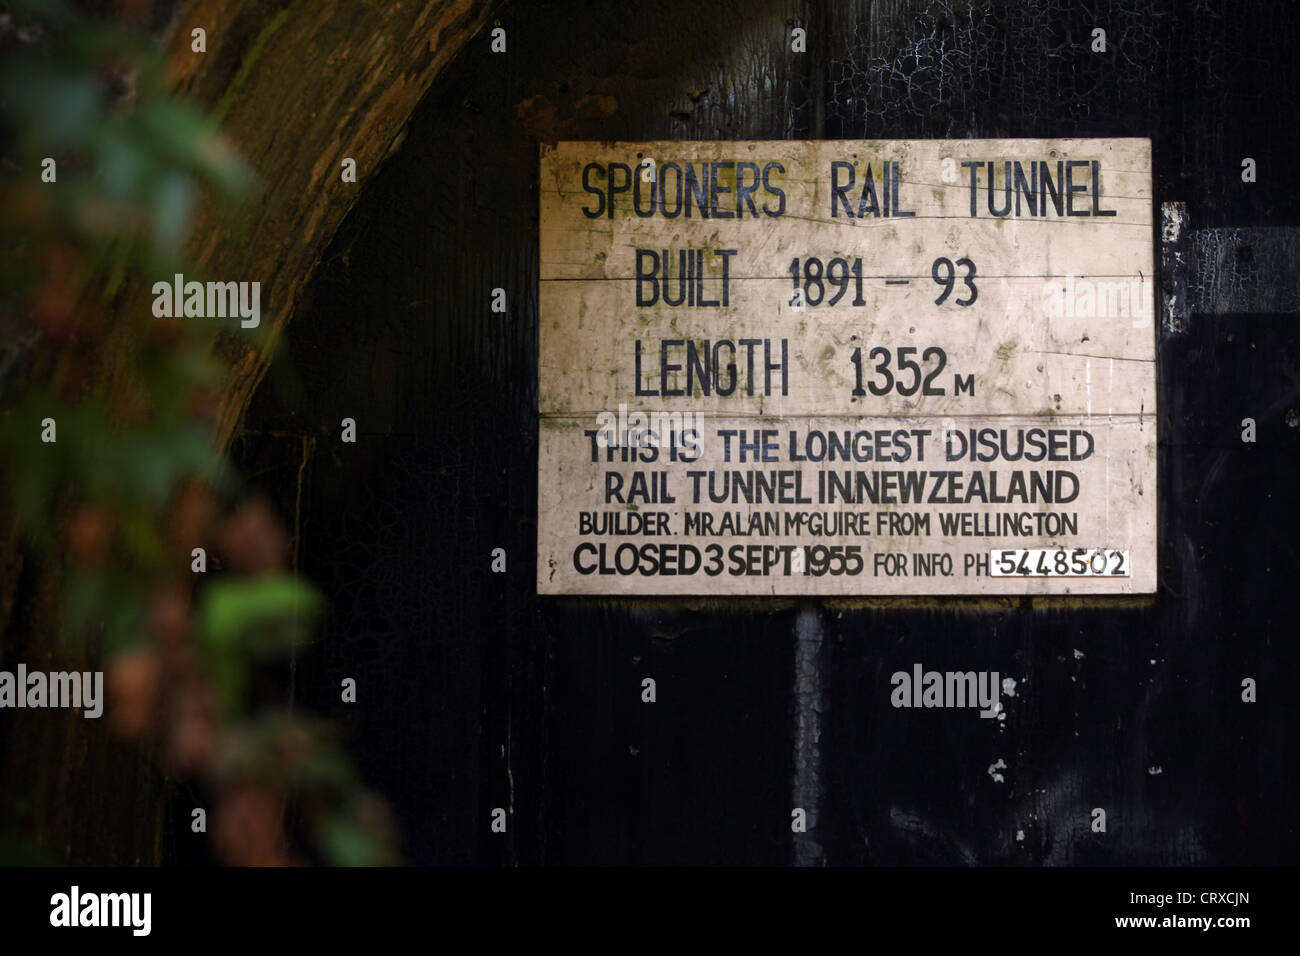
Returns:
(474,693)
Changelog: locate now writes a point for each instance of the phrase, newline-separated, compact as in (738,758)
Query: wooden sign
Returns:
(847,368)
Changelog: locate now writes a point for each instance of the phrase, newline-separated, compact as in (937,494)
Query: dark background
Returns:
(474,693)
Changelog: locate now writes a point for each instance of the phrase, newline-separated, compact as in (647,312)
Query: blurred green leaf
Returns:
(59,108)
(85,593)
(231,609)
(126,625)
(185,138)
(151,463)
(174,200)
(346,843)
(140,535)
(123,166)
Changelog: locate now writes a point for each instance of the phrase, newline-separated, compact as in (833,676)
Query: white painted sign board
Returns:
(847,368)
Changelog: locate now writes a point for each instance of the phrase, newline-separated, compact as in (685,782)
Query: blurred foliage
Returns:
(242,620)
(134,481)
